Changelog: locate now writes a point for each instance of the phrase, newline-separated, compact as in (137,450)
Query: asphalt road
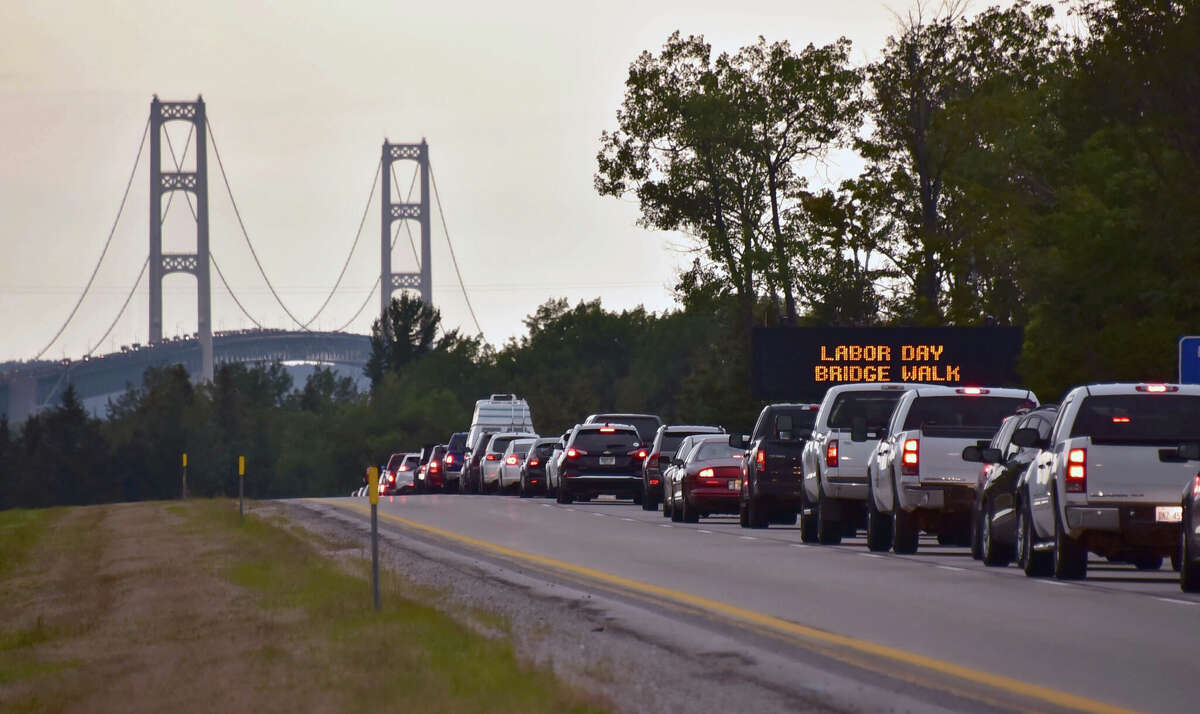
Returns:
(1122,639)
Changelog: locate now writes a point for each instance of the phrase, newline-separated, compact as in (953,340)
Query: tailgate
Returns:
(781,460)
(941,460)
(1131,473)
(853,456)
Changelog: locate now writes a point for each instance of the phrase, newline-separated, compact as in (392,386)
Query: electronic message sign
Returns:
(792,363)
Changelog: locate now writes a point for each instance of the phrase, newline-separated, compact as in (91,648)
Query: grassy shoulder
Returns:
(154,606)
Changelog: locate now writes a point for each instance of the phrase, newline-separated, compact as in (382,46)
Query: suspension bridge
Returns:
(96,375)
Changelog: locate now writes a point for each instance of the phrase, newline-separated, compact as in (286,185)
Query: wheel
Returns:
(808,521)
(563,496)
(1035,563)
(666,505)
(991,552)
(1189,569)
(756,513)
(977,520)
(637,497)
(904,527)
(1148,562)
(879,527)
(1070,557)
(648,503)
(829,529)
(690,514)
(522,489)
(743,514)
(677,513)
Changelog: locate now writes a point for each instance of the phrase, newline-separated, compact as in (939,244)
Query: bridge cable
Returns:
(354,246)
(245,234)
(111,232)
(125,305)
(178,161)
(453,259)
(362,307)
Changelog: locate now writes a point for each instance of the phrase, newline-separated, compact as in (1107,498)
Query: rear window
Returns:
(715,450)
(671,441)
(544,450)
(787,421)
(599,441)
(395,461)
(875,407)
(1159,419)
(412,461)
(458,442)
(498,445)
(977,417)
(646,426)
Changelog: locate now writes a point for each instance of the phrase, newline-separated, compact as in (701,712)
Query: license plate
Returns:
(1168,514)
(733,485)
(608,460)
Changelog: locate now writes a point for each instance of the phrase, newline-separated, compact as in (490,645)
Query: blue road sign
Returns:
(1189,359)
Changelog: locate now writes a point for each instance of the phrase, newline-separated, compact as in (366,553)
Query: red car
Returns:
(707,479)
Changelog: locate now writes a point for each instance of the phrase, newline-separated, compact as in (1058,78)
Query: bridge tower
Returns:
(197,263)
(390,282)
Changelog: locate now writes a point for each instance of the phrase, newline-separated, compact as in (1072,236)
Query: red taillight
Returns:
(910,459)
(971,390)
(760,458)
(534,462)
(492,457)
(705,473)
(449,459)
(391,478)
(1157,388)
(1076,471)
(573,452)
(511,460)
(404,467)
(607,430)
(1120,420)
(1196,486)
(433,467)
(639,454)
(653,482)
(831,453)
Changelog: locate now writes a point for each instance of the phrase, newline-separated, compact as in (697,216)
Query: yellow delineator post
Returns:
(241,487)
(373,490)
(183,479)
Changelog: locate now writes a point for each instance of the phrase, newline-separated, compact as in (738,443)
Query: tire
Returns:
(756,513)
(990,552)
(1189,569)
(690,514)
(743,514)
(677,514)
(648,503)
(829,530)
(1035,563)
(879,527)
(562,495)
(666,505)
(904,527)
(1070,557)
(1148,562)
(637,498)
(522,489)
(808,522)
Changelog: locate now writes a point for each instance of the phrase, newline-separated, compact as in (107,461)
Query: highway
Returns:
(990,637)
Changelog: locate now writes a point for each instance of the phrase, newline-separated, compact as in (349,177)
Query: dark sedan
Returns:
(533,469)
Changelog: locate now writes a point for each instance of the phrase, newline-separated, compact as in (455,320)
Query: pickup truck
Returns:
(917,479)
(845,432)
(1107,479)
(771,490)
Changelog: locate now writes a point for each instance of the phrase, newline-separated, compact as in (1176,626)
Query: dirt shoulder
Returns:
(168,607)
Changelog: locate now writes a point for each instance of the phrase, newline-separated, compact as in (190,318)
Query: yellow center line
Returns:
(1006,684)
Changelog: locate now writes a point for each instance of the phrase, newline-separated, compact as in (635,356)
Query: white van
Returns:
(497,413)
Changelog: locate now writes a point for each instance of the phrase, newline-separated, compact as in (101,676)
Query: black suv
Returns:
(601,458)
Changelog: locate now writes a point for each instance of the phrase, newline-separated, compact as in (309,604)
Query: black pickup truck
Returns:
(772,486)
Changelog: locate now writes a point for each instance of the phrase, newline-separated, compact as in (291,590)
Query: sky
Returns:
(512,98)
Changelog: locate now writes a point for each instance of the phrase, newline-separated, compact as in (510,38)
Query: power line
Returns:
(111,232)
(453,259)
(245,234)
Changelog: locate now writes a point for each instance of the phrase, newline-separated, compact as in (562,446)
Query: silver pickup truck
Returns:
(1107,479)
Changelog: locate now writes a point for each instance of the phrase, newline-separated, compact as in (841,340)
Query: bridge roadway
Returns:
(936,621)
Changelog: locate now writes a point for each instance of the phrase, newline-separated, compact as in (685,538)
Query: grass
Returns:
(408,655)
(20,529)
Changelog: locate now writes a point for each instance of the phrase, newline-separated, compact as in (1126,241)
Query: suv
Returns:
(845,432)
(662,448)
(434,472)
(601,458)
(645,424)
(917,478)
(452,462)
(772,490)
(469,481)
(533,469)
(1107,480)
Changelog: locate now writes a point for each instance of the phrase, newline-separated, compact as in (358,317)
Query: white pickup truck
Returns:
(918,480)
(1107,479)
(835,458)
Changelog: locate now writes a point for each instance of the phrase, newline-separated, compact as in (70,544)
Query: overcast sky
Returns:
(512,98)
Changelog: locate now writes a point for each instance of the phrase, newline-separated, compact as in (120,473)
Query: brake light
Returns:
(653,482)
(392,478)
(404,467)
(607,430)
(573,452)
(511,460)
(910,458)
(449,459)
(1196,486)
(1076,471)
(639,454)
(1120,420)
(492,457)
(760,458)
(971,390)
(705,473)
(831,453)
(433,467)
(1157,388)
(534,462)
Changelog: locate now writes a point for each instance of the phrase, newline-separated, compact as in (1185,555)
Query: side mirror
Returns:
(1191,451)
(991,456)
(1028,437)
(739,441)
(972,454)
(858,429)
